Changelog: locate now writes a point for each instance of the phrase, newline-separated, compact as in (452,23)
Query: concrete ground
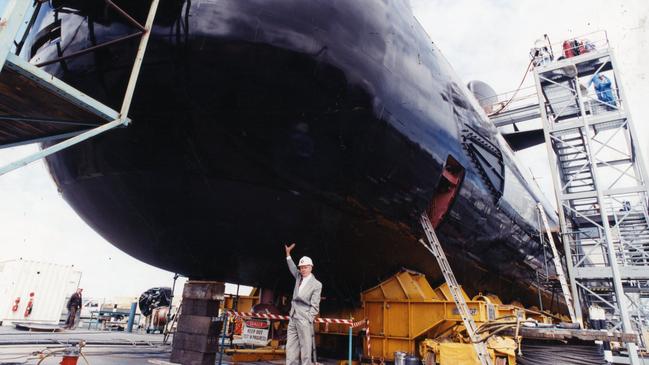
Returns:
(96,355)
(103,348)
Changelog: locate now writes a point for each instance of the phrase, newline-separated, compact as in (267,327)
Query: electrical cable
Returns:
(527,71)
(49,353)
(536,353)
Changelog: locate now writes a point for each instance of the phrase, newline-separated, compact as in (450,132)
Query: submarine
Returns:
(258,123)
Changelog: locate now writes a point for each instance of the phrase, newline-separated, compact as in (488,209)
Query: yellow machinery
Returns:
(405,308)
(244,302)
(407,315)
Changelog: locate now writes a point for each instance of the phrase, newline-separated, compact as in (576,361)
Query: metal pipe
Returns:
(124,14)
(224,330)
(89,49)
(349,354)
(131,318)
(130,88)
(171,299)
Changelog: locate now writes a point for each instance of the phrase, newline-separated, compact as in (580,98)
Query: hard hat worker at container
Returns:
(304,307)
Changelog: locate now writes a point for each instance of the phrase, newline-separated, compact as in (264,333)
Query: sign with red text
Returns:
(255,332)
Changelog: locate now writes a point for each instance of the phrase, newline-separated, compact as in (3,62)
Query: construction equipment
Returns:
(406,314)
(599,180)
(435,248)
(405,310)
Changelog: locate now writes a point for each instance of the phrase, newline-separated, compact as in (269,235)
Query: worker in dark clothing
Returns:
(74,305)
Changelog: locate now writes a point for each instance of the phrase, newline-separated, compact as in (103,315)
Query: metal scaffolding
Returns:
(68,112)
(599,179)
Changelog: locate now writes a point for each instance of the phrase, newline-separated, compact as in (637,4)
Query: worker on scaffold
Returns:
(603,90)
(304,307)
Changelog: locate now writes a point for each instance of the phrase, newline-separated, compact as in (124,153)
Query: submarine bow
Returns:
(257,123)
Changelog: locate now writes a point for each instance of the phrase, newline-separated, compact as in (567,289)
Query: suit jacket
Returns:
(306,302)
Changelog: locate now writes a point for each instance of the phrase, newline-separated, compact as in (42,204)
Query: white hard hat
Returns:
(304,261)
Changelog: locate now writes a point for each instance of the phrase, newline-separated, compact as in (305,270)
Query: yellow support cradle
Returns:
(404,310)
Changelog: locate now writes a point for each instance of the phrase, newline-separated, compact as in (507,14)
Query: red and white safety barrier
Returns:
(286,318)
(258,315)
(362,323)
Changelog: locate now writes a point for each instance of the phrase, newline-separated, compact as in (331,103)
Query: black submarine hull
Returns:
(260,123)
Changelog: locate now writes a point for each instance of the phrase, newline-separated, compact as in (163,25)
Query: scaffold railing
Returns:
(599,180)
(597,170)
(78,116)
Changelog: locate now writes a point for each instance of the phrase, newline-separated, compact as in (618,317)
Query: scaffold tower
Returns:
(599,178)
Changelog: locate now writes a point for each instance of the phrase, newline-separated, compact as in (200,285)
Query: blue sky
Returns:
(486,40)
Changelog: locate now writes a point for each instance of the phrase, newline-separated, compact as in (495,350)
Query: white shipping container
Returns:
(51,285)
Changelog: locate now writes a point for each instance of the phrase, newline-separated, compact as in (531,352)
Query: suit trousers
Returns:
(299,342)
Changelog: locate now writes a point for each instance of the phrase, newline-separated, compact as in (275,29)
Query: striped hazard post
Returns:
(365,324)
(367,340)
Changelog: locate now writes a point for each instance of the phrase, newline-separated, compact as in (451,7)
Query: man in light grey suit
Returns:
(304,307)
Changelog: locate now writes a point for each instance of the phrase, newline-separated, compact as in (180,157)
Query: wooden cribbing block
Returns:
(197,332)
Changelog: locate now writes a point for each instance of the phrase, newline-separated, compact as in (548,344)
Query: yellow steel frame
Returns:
(405,309)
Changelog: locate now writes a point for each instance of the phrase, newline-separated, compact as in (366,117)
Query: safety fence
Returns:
(363,323)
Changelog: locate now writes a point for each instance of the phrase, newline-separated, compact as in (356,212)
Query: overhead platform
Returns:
(597,171)
(36,106)
(598,175)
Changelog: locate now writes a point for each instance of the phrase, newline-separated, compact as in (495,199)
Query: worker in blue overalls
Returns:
(603,89)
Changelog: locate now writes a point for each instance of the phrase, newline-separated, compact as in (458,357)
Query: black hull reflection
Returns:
(258,123)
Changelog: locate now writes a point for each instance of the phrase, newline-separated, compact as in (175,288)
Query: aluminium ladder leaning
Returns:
(435,248)
(558,267)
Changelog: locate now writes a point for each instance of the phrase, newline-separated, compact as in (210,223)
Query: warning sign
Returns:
(255,332)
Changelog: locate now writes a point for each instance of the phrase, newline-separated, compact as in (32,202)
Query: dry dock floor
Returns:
(18,347)
(104,348)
